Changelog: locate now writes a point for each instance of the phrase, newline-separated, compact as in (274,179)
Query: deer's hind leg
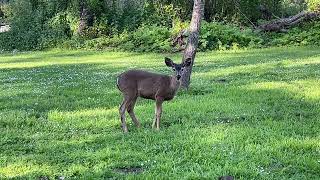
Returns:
(130,110)
(122,111)
(127,104)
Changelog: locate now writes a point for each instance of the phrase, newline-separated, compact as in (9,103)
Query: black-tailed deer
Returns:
(137,83)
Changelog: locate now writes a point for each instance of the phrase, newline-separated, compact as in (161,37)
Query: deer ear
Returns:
(187,62)
(168,62)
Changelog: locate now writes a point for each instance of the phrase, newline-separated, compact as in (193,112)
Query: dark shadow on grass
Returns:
(59,56)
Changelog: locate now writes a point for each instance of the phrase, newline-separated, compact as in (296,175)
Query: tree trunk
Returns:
(86,17)
(191,49)
(284,23)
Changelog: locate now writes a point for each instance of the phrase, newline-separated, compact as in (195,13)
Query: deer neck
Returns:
(174,84)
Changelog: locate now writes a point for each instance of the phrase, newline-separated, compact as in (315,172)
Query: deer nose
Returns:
(178,77)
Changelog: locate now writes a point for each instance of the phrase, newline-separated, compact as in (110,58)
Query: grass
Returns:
(251,114)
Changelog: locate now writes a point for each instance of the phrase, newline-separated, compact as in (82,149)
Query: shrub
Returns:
(25,28)
(76,42)
(291,7)
(313,5)
(55,31)
(215,36)
(32,29)
(306,34)
(149,38)
(144,39)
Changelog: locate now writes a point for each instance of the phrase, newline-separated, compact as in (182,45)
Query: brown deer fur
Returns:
(158,87)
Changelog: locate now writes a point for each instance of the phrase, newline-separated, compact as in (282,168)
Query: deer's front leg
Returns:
(158,111)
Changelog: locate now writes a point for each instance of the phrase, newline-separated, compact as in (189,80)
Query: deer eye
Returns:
(173,69)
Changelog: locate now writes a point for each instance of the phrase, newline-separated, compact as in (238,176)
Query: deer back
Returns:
(148,85)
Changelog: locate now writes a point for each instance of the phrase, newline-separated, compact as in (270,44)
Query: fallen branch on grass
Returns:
(284,23)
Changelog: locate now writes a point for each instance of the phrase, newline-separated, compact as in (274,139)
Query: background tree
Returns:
(191,49)
(86,17)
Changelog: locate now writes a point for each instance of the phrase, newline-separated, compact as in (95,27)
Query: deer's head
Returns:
(179,69)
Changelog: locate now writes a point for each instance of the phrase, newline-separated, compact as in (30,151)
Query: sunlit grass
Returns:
(308,89)
(251,114)
(24,168)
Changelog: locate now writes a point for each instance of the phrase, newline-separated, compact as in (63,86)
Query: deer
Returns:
(147,85)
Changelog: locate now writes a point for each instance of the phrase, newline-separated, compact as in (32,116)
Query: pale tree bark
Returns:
(281,25)
(193,40)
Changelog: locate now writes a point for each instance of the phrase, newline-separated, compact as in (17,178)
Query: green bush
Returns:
(25,28)
(306,34)
(313,5)
(76,42)
(55,31)
(291,7)
(33,29)
(112,43)
(217,36)
(214,36)
(144,39)
(149,38)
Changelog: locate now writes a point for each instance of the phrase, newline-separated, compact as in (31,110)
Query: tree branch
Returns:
(285,23)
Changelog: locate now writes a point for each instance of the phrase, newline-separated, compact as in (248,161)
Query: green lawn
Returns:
(251,114)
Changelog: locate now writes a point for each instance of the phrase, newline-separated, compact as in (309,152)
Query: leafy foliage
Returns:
(217,36)
(291,7)
(239,11)
(306,34)
(145,26)
(313,5)
(26,26)
(149,38)
(144,39)
(33,28)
